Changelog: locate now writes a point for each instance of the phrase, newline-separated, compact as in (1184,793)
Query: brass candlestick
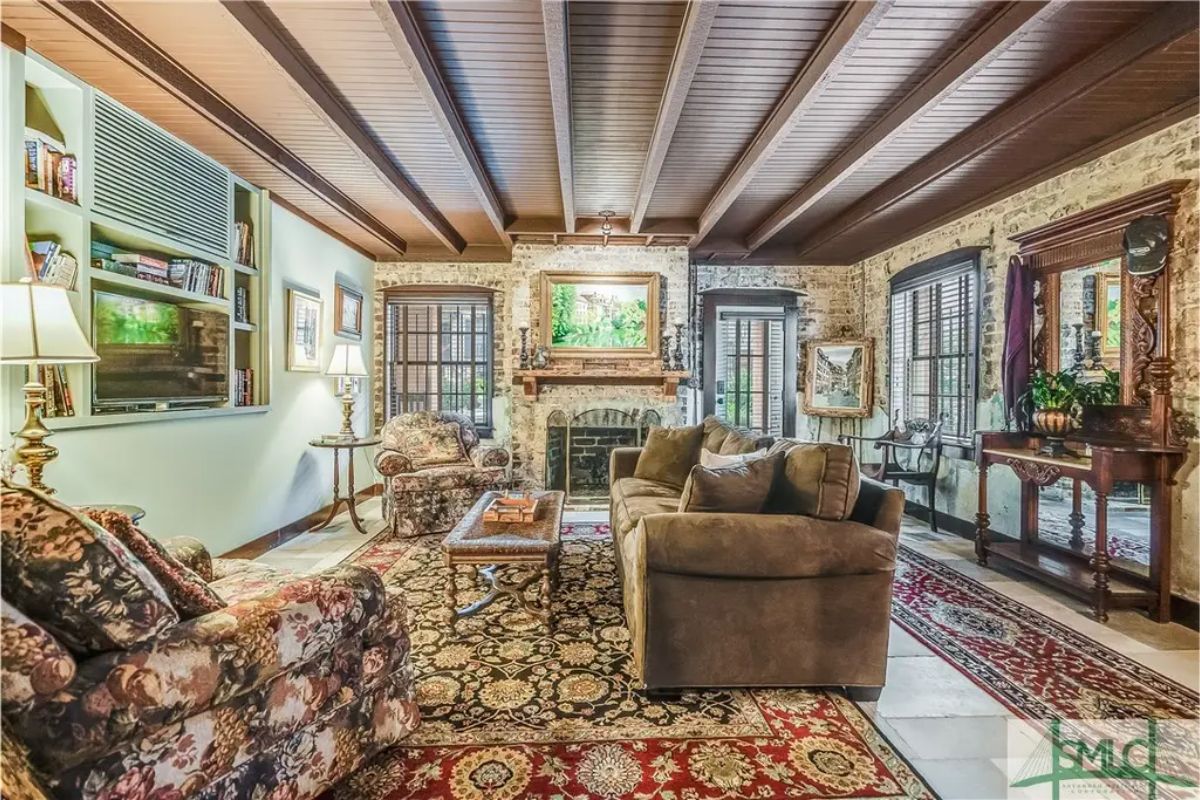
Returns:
(35,454)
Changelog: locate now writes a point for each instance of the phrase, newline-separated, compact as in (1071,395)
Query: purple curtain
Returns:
(1018,324)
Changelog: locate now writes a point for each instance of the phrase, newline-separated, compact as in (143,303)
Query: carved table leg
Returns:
(1076,516)
(982,520)
(545,598)
(451,598)
(1100,558)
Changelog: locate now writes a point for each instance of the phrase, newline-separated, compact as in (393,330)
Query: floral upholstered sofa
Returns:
(434,470)
(227,680)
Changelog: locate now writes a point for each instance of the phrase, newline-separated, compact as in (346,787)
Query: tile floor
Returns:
(952,732)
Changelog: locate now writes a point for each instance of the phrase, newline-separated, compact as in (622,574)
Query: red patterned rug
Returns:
(512,712)
(1035,666)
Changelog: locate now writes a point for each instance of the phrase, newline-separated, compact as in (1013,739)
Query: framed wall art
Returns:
(600,315)
(347,311)
(840,376)
(303,331)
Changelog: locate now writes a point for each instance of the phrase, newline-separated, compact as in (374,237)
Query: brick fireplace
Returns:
(578,448)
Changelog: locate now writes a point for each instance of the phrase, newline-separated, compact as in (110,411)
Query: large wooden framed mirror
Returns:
(1095,318)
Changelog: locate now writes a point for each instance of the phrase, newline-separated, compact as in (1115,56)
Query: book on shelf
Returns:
(50,263)
(241,304)
(243,387)
(245,247)
(189,274)
(59,402)
(48,168)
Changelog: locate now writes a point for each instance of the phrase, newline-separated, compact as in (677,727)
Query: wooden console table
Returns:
(1092,578)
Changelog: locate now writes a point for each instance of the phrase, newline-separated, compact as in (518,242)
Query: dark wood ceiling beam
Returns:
(558,59)
(693,33)
(1175,21)
(108,29)
(1011,23)
(406,36)
(847,32)
(295,65)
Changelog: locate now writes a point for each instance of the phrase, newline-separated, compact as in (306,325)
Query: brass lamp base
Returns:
(35,454)
(347,411)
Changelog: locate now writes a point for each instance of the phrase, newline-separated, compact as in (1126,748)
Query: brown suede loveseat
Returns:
(766,599)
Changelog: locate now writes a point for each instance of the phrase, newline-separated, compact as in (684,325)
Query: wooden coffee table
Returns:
(495,548)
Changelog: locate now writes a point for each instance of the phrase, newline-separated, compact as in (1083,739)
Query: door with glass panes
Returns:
(750,360)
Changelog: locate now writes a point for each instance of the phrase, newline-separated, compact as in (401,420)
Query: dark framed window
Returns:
(438,353)
(934,343)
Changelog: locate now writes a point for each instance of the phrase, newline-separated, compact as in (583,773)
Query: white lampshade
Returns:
(37,326)
(347,362)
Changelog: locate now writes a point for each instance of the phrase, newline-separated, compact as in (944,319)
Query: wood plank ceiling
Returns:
(814,132)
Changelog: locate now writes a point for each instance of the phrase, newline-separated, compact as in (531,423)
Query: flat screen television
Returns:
(159,353)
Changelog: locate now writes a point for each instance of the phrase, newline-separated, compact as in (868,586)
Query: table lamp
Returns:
(346,365)
(38,327)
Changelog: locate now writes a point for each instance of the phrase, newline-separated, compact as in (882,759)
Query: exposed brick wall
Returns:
(1171,154)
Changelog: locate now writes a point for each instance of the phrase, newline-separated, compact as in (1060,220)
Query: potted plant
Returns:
(1057,397)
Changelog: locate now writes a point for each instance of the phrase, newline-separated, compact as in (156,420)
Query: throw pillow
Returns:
(817,480)
(721,437)
(669,454)
(76,579)
(432,446)
(190,595)
(740,488)
(710,459)
(35,665)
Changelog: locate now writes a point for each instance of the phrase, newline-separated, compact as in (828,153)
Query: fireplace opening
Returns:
(578,449)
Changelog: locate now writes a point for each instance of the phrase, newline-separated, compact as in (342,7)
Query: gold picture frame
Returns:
(1108,313)
(581,329)
(303,350)
(839,377)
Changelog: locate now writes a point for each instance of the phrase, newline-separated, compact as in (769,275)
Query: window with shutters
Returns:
(438,353)
(934,343)
(750,356)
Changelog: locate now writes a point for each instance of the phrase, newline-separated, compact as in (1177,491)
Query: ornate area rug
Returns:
(1035,666)
(510,711)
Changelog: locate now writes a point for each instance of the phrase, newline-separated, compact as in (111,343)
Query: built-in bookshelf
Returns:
(74,214)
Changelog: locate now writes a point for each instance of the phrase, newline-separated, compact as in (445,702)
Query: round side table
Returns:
(337,445)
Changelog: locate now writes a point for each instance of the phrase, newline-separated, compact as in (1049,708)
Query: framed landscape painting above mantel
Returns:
(600,315)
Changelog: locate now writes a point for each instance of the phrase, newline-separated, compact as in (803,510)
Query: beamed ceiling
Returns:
(789,132)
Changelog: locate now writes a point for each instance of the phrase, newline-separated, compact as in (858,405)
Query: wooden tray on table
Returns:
(511,509)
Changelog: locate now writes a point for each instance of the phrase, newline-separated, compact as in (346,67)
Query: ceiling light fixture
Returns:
(606,227)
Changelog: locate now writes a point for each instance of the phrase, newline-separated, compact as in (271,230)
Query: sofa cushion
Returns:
(439,443)
(188,592)
(714,460)
(724,439)
(669,454)
(631,510)
(817,479)
(640,487)
(75,579)
(450,476)
(740,488)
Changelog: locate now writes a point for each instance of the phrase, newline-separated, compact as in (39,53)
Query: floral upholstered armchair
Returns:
(434,469)
(134,670)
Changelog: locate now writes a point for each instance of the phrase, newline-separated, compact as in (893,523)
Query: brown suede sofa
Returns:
(767,599)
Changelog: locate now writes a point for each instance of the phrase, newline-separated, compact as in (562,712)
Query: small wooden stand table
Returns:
(1093,578)
(349,444)
(496,545)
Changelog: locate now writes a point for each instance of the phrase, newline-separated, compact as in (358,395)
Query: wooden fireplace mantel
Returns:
(533,379)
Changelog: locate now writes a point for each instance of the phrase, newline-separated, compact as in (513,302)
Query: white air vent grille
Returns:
(147,178)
